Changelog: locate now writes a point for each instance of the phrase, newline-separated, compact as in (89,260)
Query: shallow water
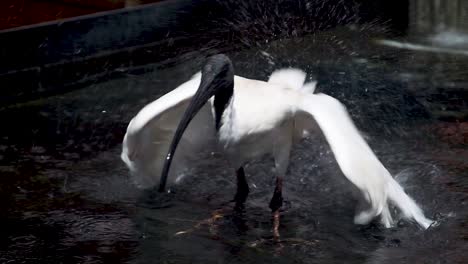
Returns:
(66,196)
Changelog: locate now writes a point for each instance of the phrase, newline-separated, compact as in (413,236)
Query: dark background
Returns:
(45,59)
(69,87)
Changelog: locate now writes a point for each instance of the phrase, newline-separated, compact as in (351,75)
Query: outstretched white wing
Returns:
(150,133)
(358,162)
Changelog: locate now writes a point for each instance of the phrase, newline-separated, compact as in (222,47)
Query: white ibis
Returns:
(251,118)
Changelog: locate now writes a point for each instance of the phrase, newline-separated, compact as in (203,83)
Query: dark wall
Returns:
(41,60)
(50,57)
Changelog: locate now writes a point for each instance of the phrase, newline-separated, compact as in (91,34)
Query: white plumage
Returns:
(149,135)
(263,118)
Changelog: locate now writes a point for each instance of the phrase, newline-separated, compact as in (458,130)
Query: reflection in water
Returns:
(419,47)
(66,196)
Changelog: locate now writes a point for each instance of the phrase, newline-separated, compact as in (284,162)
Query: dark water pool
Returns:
(66,196)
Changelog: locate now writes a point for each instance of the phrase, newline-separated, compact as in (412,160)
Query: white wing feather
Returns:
(150,133)
(358,162)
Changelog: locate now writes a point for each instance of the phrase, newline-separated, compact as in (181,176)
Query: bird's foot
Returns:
(217,215)
(293,241)
(276,224)
(280,245)
(235,204)
(211,223)
(276,240)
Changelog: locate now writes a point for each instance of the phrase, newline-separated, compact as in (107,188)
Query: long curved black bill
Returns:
(217,74)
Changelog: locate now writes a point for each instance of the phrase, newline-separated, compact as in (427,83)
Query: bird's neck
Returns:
(221,102)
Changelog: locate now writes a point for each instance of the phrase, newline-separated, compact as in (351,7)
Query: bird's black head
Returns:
(217,79)
(218,70)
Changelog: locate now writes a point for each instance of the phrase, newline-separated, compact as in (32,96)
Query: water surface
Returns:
(67,197)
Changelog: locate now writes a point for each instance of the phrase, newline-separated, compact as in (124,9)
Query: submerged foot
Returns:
(276,224)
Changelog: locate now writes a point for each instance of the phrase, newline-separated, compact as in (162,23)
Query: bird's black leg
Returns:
(242,188)
(277,199)
(275,205)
